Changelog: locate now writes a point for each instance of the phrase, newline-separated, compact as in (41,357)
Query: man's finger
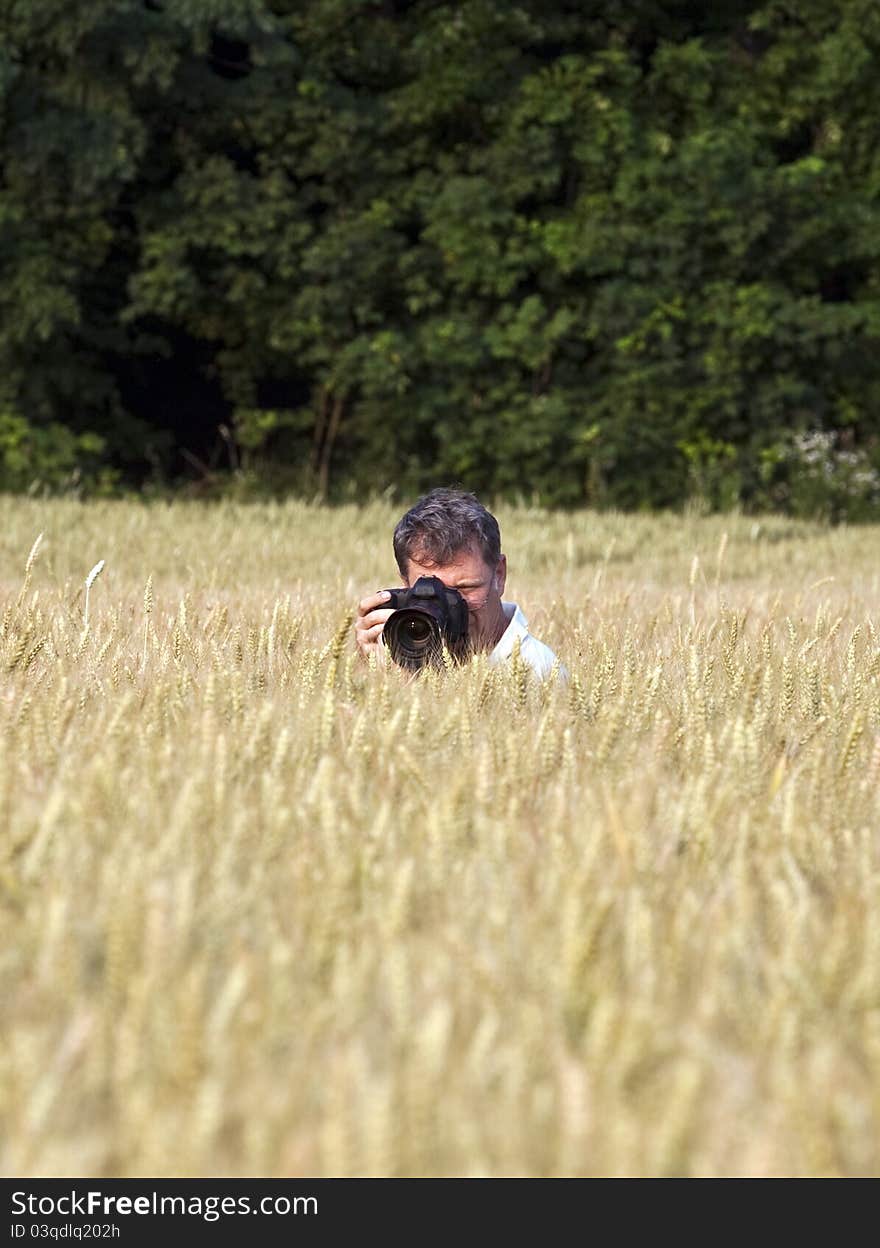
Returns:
(370,634)
(372,601)
(374,617)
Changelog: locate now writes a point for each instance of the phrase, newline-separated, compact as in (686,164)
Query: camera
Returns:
(427,617)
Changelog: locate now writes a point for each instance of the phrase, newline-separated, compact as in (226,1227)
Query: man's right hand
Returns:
(371,617)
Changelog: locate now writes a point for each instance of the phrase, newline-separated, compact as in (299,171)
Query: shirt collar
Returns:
(517,629)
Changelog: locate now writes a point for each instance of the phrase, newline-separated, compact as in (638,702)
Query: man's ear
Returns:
(501,574)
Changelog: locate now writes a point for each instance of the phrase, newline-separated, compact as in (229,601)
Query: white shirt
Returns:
(539,657)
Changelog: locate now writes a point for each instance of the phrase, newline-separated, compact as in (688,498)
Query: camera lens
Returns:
(417,631)
(413,638)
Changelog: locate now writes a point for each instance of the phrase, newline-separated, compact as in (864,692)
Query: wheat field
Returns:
(265,910)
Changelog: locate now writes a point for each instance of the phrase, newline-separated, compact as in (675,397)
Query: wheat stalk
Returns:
(148,611)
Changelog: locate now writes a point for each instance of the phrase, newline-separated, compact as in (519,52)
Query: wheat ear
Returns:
(90,580)
(31,560)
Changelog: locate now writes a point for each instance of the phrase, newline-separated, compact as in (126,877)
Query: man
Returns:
(450,534)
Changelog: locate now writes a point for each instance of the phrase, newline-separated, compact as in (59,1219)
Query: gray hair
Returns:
(441,525)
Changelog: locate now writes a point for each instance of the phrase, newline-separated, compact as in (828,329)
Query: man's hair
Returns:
(441,525)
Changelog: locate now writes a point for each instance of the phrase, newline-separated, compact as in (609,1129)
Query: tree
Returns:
(609,252)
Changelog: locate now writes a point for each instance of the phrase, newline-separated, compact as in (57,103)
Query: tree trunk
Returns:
(327,448)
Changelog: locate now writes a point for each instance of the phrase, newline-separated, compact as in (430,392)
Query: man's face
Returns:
(479,584)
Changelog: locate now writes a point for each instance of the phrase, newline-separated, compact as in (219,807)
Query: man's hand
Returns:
(368,625)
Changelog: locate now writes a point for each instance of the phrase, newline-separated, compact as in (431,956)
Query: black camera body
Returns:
(427,617)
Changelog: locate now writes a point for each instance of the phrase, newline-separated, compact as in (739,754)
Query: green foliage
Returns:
(609,253)
(51,458)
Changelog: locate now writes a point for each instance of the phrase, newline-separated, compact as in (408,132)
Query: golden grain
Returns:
(267,909)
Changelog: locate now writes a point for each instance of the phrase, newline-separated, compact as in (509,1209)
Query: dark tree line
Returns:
(617,252)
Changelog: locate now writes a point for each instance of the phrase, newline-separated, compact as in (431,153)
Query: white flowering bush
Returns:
(822,473)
